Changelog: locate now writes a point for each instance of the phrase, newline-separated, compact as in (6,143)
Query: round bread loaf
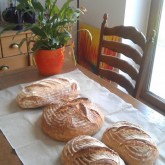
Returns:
(47,91)
(86,150)
(132,143)
(78,117)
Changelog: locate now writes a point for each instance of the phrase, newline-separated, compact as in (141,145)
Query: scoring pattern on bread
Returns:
(132,143)
(85,150)
(47,91)
(78,117)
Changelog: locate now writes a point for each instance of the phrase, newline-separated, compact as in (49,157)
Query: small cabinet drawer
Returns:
(10,45)
(14,62)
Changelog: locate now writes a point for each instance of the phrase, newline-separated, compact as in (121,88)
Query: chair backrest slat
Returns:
(125,49)
(127,32)
(120,64)
(118,78)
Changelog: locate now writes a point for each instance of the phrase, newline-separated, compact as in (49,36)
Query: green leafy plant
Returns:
(53,25)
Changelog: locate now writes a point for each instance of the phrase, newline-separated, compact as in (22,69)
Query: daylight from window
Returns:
(157,85)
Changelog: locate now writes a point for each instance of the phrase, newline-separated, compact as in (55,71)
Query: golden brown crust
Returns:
(78,117)
(47,91)
(85,150)
(132,143)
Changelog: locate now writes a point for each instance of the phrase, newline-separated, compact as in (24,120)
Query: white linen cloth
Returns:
(23,131)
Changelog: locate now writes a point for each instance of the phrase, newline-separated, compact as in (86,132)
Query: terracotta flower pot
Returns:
(49,62)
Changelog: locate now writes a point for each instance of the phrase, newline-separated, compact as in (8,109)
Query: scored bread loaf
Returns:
(132,143)
(86,150)
(78,117)
(47,91)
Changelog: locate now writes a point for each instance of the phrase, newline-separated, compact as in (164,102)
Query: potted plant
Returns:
(51,31)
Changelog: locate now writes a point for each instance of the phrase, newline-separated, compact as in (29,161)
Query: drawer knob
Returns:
(14,45)
(4,67)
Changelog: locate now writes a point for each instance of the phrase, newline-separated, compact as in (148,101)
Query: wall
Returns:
(4,3)
(60,2)
(3,6)
(97,8)
(128,12)
(137,14)
(121,12)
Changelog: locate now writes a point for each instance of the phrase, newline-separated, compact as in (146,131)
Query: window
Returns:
(153,90)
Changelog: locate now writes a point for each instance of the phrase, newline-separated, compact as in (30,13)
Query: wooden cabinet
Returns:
(15,62)
(11,56)
(10,45)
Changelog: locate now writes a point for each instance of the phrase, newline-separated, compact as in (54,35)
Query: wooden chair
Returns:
(133,69)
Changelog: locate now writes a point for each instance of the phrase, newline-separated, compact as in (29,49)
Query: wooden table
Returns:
(11,78)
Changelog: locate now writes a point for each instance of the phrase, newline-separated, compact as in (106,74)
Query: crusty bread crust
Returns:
(132,143)
(78,117)
(85,150)
(47,91)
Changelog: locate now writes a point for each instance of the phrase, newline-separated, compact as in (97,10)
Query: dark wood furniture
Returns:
(28,74)
(133,52)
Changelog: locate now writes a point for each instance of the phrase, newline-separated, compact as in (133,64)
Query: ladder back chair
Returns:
(133,69)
